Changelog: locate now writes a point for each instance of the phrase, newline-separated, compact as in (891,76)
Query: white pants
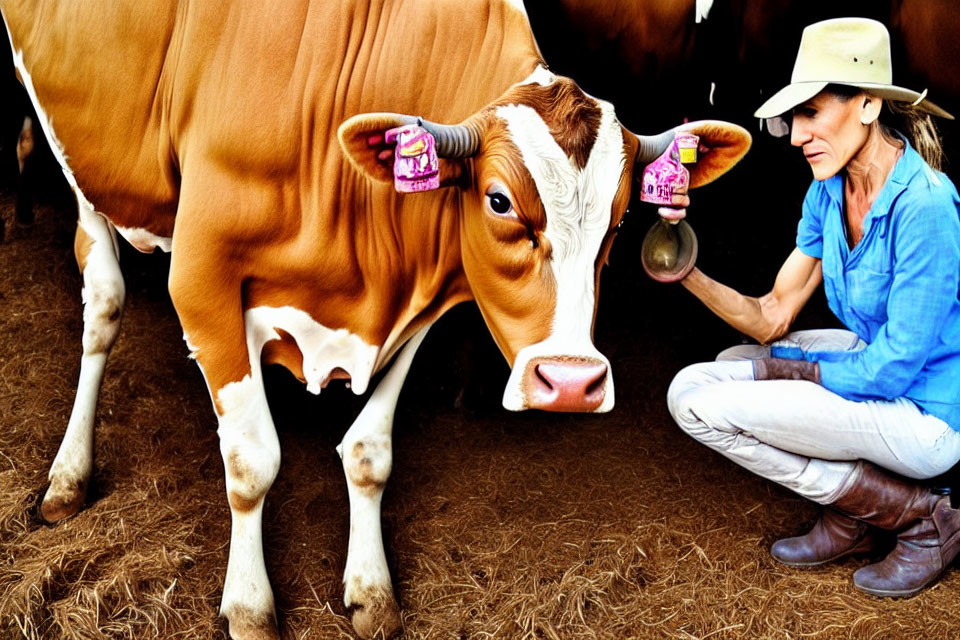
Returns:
(798,433)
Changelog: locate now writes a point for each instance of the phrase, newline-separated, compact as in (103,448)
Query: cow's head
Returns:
(545,174)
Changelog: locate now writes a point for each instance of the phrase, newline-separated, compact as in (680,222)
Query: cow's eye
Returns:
(499,203)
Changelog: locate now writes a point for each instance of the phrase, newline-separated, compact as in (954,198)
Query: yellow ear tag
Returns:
(414,149)
(687,144)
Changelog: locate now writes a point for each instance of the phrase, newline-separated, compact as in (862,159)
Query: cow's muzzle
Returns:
(565,384)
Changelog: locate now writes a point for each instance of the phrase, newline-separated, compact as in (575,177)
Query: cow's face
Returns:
(550,182)
(545,174)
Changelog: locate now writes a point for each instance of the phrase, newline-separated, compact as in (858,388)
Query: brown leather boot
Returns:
(929,527)
(923,553)
(831,538)
(884,500)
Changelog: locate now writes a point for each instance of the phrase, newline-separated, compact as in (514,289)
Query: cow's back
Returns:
(266,85)
(140,92)
(97,70)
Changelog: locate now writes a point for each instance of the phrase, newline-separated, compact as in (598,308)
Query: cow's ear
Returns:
(722,145)
(363,142)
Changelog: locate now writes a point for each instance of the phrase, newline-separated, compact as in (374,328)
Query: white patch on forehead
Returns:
(541,76)
(578,204)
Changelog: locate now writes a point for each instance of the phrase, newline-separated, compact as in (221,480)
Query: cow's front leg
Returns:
(367,456)
(103,297)
(207,295)
(251,459)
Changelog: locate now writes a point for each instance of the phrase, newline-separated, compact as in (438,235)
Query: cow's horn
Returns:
(453,140)
(652,146)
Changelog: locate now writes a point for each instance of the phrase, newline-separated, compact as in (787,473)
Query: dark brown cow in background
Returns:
(657,57)
(17,144)
(928,32)
(26,165)
(657,62)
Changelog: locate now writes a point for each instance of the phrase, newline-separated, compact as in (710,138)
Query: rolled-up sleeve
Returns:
(926,270)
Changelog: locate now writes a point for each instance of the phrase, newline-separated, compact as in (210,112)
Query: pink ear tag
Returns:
(666,175)
(415,165)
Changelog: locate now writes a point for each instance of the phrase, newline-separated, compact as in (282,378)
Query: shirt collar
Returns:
(904,170)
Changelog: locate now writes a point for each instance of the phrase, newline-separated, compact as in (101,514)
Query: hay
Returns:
(497,525)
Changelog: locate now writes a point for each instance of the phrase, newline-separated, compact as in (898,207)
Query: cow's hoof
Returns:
(376,614)
(247,625)
(63,498)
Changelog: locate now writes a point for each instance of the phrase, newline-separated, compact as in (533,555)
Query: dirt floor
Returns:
(497,525)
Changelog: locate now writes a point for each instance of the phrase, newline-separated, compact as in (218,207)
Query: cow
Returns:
(926,31)
(17,138)
(638,53)
(249,138)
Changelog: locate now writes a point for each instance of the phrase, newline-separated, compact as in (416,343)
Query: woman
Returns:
(853,420)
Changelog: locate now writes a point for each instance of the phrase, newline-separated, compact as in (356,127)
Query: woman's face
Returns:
(829,131)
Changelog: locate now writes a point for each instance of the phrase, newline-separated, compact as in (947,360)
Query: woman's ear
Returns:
(869,109)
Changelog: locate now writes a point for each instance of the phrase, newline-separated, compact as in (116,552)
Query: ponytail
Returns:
(919,128)
(916,125)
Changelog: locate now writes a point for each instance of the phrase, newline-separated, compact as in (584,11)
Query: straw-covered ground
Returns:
(497,525)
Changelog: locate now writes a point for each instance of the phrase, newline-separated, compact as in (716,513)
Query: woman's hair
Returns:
(917,125)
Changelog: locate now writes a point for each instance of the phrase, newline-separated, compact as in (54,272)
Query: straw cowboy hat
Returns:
(851,51)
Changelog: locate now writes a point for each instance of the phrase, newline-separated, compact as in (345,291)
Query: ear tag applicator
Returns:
(669,249)
(415,164)
(666,175)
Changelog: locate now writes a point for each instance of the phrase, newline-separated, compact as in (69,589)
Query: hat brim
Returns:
(892,92)
(799,92)
(789,97)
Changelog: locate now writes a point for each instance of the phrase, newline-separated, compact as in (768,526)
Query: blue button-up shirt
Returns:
(896,289)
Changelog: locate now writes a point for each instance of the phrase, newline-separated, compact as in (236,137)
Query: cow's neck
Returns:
(420,235)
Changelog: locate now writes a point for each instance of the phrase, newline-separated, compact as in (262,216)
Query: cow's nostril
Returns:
(598,384)
(542,378)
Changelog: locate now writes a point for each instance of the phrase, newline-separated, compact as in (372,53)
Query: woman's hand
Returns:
(677,210)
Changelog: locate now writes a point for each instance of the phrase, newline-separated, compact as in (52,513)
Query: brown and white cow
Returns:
(17,138)
(248,138)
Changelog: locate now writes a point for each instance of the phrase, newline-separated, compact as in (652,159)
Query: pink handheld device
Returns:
(666,175)
(415,166)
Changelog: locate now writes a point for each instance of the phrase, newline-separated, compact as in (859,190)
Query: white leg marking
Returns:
(251,459)
(103,298)
(578,206)
(367,456)
(251,451)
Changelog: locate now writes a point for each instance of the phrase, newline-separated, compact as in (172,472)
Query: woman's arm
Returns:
(768,317)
